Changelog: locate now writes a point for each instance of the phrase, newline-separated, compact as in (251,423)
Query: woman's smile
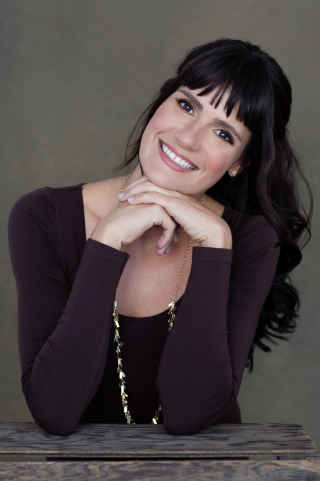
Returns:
(171,156)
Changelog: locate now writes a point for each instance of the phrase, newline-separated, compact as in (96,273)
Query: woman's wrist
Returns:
(219,240)
(105,238)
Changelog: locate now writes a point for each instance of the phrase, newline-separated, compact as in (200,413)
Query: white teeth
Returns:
(175,158)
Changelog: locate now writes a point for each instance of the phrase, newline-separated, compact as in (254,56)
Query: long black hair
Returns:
(267,182)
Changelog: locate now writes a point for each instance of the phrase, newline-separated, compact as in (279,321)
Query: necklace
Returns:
(171,312)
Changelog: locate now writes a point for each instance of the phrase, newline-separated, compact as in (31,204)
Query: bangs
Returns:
(242,78)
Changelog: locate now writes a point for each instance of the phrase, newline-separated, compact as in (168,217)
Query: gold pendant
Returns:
(171,313)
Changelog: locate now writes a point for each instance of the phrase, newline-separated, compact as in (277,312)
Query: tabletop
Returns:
(140,452)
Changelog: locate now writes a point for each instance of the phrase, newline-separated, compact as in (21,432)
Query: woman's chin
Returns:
(162,179)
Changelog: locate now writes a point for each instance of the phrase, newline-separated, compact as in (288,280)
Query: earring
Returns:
(233,173)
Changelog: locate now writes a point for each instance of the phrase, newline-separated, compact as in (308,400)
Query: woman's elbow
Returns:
(50,415)
(188,423)
(54,425)
(54,421)
(181,425)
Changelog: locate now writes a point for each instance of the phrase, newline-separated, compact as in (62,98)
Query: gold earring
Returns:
(233,173)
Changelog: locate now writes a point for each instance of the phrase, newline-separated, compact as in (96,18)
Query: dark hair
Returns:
(267,182)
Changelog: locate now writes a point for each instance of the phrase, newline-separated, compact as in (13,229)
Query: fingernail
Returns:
(120,195)
(130,199)
(167,250)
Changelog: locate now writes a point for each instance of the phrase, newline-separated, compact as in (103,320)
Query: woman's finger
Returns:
(177,207)
(163,244)
(140,186)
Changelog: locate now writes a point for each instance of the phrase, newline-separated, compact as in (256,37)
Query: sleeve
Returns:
(63,331)
(204,357)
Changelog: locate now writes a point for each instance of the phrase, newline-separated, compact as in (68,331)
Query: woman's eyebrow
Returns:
(217,121)
(192,98)
(227,126)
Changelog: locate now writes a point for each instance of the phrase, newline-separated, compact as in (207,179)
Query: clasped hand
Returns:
(199,222)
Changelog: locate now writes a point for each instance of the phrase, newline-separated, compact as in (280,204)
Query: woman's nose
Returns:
(189,136)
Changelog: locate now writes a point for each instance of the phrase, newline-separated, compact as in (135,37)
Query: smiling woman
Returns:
(142,300)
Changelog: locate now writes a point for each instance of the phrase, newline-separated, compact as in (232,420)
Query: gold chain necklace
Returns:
(172,308)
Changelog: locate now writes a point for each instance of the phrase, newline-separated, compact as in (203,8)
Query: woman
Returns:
(206,225)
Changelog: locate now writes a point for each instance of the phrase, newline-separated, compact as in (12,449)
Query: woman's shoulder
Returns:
(62,205)
(251,233)
(242,224)
(41,201)
(46,213)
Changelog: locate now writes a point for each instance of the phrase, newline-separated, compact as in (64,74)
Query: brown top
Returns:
(66,288)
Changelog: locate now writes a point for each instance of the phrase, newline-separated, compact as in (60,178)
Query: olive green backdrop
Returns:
(74,77)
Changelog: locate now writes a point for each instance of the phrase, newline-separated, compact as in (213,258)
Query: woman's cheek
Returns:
(164,120)
(218,162)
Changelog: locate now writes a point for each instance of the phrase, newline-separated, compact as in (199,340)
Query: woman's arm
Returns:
(205,353)
(63,332)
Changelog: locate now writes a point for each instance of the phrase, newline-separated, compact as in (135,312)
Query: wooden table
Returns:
(146,452)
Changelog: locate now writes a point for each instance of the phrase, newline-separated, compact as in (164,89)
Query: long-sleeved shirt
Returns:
(66,289)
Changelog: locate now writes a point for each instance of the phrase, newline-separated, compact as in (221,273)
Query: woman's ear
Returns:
(243,161)
(239,166)
(235,169)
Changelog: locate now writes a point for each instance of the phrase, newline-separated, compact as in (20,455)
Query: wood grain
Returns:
(162,470)
(122,441)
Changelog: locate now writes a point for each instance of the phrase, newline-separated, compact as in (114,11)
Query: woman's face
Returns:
(188,128)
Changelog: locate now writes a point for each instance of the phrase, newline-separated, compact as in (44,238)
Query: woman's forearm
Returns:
(206,351)
(195,376)
(63,350)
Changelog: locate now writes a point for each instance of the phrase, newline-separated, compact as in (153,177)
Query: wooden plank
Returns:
(162,470)
(147,441)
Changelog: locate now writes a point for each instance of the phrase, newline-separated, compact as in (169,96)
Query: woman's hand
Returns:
(199,222)
(128,222)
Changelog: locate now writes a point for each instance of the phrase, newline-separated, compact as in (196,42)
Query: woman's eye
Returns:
(224,135)
(186,106)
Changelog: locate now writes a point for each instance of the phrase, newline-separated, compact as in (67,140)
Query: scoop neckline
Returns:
(122,316)
(149,318)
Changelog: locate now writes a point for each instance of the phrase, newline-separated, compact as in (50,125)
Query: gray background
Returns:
(75,75)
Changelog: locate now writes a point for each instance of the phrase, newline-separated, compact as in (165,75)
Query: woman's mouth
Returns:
(175,158)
